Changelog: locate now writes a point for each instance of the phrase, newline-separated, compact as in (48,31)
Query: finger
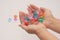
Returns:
(43,9)
(34,7)
(47,12)
(21,17)
(30,9)
(23,26)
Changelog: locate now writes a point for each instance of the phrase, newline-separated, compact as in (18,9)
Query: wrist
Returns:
(42,34)
(52,22)
(45,35)
(41,31)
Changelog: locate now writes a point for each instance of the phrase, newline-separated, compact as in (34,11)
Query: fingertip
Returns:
(44,9)
(41,8)
(21,13)
(32,5)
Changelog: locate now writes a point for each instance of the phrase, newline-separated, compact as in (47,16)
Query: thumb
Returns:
(44,9)
(23,26)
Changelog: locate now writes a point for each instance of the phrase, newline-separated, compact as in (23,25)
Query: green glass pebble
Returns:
(35,13)
(40,20)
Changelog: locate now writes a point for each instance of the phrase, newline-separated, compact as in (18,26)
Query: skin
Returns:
(50,21)
(41,28)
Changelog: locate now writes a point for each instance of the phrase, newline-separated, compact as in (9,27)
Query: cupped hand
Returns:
(48,17)
(30,28)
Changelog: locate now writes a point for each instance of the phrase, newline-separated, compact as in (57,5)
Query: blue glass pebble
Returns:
(26,18)
(9,20)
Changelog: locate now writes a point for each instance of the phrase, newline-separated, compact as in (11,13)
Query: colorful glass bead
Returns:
(15,17)
(35,15)
(41,13)
(36,19)
(42,16)
(26,22)
(32,21)
(36,22)
(9,20)
(40,20)
(26,18)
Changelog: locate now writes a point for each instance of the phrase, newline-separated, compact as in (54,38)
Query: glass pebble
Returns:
(40,20)
(26,18)
(9,20)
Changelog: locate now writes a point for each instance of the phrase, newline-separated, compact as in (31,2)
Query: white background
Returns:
(11,31)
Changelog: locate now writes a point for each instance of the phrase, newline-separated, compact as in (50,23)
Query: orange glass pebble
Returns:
(32,21)
(41,13)
(42,16)
(15,16)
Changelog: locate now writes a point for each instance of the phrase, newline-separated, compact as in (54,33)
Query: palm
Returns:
(47,14)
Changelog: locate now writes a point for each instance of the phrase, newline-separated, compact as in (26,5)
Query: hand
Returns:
(48,17)
(31,28)
(40,29)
